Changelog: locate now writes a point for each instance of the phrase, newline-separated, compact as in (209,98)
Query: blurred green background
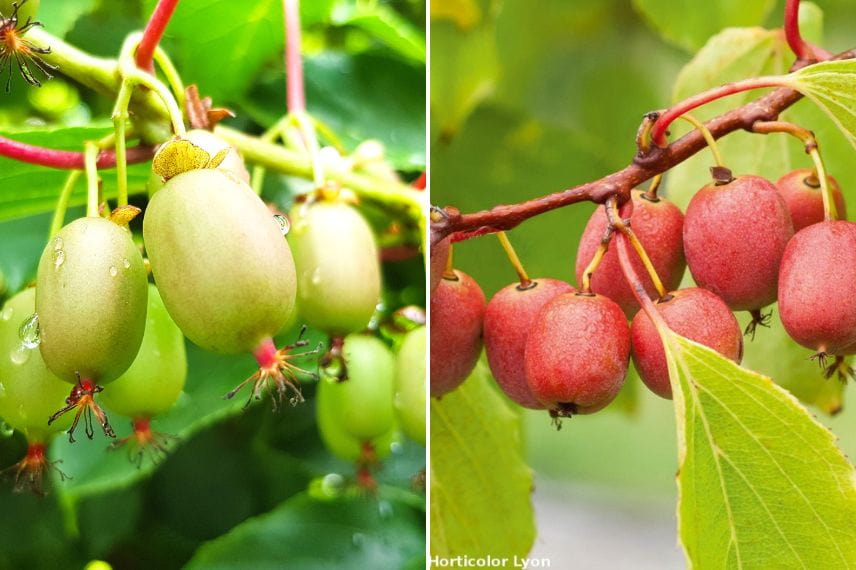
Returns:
(245,487)
(528,99)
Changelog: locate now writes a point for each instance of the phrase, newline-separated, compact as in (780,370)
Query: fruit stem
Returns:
(525,282)
(830,211)
(661,124)
(449,270)
(91,160)
(153,33)
(62,203)
(651,193)
(705,132)
(596,259)
(623,227)
(801,48)
(636,284)
(120,118)
(295,94)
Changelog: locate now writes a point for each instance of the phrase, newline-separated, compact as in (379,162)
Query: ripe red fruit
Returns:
(734,237)
(696,314)
(457,310)
(801,192)
(816,300)
(658,225)
(439,255)
(577,353)
(507,322)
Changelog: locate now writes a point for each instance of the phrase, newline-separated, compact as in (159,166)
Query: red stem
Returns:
(66,159)
(296,96)
(153,34)
(801,48)
(636,285)
(661,125)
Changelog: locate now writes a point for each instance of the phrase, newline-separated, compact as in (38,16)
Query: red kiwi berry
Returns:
(457,311)
(577,354)
(658,224)
(735,232)
(508,319)
(694,313)
(816,300)
(801,192)
(225,273)
(91,311)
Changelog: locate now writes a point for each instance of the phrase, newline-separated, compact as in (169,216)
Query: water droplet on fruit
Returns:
(29,332)
(7,313)
(2,389)
(316,276)
(126,263)
(20,355)
(6,430)
(58,244)
(59,258)
(113,271)
(284,224)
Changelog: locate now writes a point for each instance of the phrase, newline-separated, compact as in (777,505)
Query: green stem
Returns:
(173,78)
(830,210)
(62,203)
(120,117)
(306,126)
(90,160)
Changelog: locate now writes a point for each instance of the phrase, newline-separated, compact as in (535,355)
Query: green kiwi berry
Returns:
(29,392)
(221,264)
(91,301)
(410,378)
(364,399)
(155,380)
(338,270)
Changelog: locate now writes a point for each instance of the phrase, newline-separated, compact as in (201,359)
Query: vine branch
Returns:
(646,164)
(153,33)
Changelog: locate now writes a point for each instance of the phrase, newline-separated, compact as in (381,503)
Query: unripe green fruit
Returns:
(457,312)
(224,270)
(364,399)
(508,319)
(212,144)
(694,313)
(338,267)
(340,443)
(659,226)
(439,255)
(410,378)
(801,192)
(29,392)
(27,9)
(816,300)
(155,380)
(91,301)
(577,353)
(734,237)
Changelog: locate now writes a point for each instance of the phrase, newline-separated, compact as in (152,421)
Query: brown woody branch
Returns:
(646,164)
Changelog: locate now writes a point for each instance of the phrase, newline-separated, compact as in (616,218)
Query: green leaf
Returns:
(61,16)
(30,189)
(386,26)
(690,24)
(762,483)
(831,85)
(480,485)
(305,532)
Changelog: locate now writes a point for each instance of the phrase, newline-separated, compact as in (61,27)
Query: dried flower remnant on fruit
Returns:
(15,49)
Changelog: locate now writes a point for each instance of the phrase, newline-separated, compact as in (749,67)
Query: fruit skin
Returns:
(457,312)
(364,400)
(577,353)
(439,255)
(804,200)
(816,300)
(694,313)
(91,300)
(338,267)
(658,225)
(337,440)
(31,392)
(212,143)
(410,378)
(734,238)
(155,380)
(224,271)
(508,319)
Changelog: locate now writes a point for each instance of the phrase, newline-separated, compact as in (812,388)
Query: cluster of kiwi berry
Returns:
(225,278)
(748,243)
